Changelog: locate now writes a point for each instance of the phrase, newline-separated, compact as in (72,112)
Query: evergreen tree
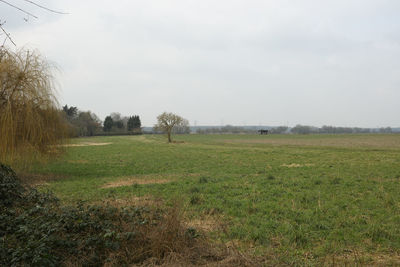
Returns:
(71,112)
(137,123)
(134,123)
(108,124)
(130,124)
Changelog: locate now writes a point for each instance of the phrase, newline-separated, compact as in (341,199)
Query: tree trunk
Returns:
(169,136)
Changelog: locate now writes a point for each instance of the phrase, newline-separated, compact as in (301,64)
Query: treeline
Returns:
(115,123)
(81,123)
(229,129)
(87,123)
(298,129)
(304,129)
(225,130)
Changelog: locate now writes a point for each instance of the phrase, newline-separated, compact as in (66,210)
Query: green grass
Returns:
(302,199)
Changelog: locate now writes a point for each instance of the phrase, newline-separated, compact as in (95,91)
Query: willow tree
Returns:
(30,122)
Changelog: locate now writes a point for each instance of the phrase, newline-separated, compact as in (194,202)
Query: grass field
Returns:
(306,200)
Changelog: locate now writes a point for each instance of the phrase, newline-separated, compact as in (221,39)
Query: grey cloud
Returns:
(311,62)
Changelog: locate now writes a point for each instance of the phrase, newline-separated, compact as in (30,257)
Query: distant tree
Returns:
(70,112)
(124,121)
(303,129)
(108,124)
(224,130)
(232,129)
(118,121)
(70,116)
(81,123)
(335,130)
(279,130)
(119,124)
(137,123)
(361,130)
(183,128)
(130,124)
(166,122)
(116,116)
(134,124)
(385,130)
(88,123)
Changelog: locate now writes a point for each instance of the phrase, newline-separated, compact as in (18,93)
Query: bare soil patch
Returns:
(134,180)
(296,165)
(147,179)
(87,144)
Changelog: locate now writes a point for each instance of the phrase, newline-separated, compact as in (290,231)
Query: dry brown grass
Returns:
(356,258)
(142,201)
(296,165)
(145,179)
(171,242)
(127,181)
(86,144)
(206,224)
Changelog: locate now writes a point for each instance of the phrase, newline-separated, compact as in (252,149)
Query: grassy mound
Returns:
(35,229)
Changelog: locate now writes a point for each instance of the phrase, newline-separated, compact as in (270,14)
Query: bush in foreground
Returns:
(35,229)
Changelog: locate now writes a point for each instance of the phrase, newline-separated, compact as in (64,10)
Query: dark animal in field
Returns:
(263,131)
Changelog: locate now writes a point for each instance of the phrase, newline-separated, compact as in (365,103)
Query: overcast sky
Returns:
(269,62)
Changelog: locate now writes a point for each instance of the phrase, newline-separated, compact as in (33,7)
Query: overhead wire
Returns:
(18,8)
(45,8)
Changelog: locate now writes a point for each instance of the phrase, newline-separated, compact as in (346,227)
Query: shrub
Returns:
(36,230)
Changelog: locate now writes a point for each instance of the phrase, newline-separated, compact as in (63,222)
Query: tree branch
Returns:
(18,8)
(8,37)
(45,8)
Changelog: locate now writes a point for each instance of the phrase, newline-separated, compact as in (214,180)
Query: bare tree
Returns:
(166,123)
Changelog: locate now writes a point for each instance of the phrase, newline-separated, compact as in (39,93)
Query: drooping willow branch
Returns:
(30,122)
